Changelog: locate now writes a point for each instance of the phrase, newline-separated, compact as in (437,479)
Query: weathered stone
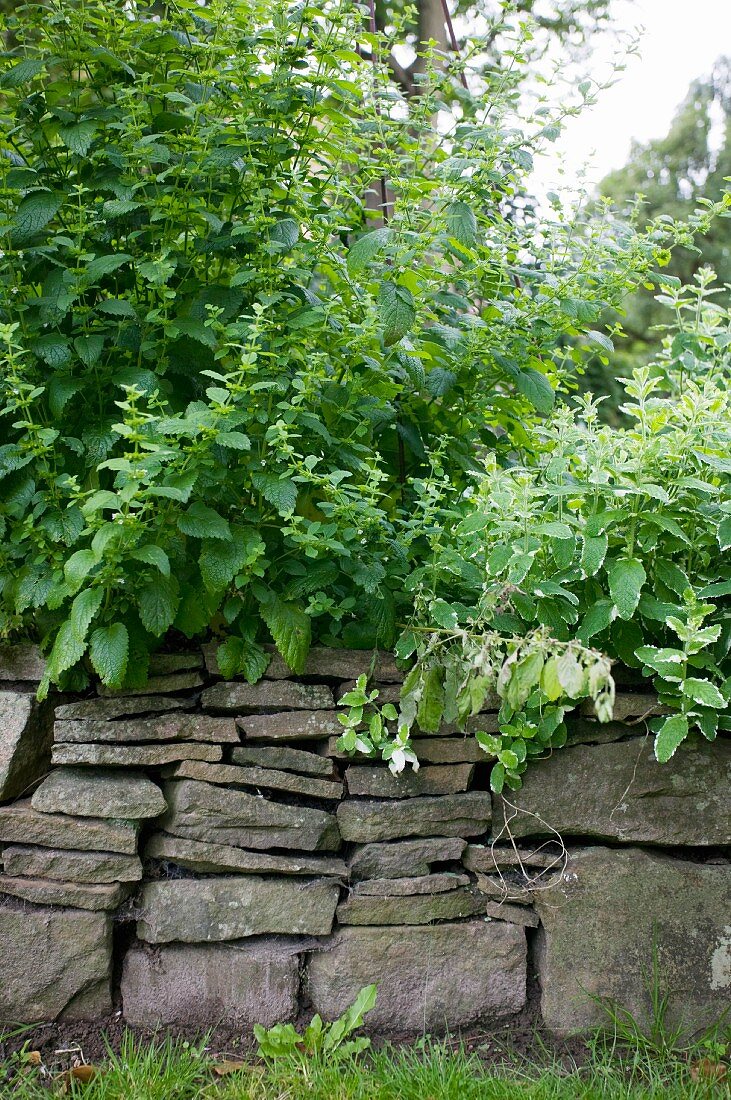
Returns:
(379,782)
(134,756)
(201,811)
(504,889)
(429,978)
(121,707)
(615,910)
(70,866)
(230,775)
(406,887)
(482,857)
(619,791)
(387,693)
(53,963)
(21,661)
(417,909)
(160,685)
(171,727)
(234,698)
(237,984)
(212,858)
(335,664)
(283,758)
(25,742)
(628,705)
(124,794)
(77,895)
(21,824)
(584,731)
(404,858)
(449,750)
(223,908)
(162,664)
(292,725)
(514,914)
(444,815)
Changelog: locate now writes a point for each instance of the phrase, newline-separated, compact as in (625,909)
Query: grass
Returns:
(429,1070)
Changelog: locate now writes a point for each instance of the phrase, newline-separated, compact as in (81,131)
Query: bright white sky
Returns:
(681,41)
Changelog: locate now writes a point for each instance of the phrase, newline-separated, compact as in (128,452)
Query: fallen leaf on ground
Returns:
(222,1069)
(80,1075)
(708,1070)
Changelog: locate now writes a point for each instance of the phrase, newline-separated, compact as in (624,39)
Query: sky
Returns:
(681,41)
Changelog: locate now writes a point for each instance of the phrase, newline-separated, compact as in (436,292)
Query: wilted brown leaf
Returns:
(222,1069)
(706,1069)
(80,1075)
(33,1058)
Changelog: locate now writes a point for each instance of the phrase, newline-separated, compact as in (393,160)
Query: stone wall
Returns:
(200,852)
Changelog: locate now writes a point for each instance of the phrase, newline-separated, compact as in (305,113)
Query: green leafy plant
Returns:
(319,1040)
(367,728)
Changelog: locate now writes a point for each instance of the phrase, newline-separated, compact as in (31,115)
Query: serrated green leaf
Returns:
(33,214)
(68,648)
(724,533)
(430,707)
(362,251)
(109,651)
(157,603)
(237,657)
(396,311)
(626,578)
(593,553)
(278,491)
(83,610)
(79,137)
(291,630)
(536,387)
(202,522)
(703,692)
(671,734)
(104,265)
(462,223)
(78,567)
(153,555)
(22,73)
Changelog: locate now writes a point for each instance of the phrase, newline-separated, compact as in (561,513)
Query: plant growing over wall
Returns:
(225,366)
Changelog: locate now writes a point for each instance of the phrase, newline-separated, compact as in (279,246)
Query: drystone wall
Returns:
(201,852)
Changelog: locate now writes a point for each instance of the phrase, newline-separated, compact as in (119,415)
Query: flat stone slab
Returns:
(134,756)
(204,812)
(121,707)
(620,792)
(161,685)
(170,727)
(162,664)
(334,664)
(55,963)
(402,858)
(488,858)
(25,742)
(379,782)
(300,725)
(231,775)
(445,815)
(70,866)
(406,887)
(614,908)
(223,908)
(629,705)
(124,794)
(514,914)
(417,909)
(283,758)
(211,858)
(21,661)
(235,698)
(78,895)
(449,750)
(189,985)
(21,824)
(430,978)
(505,890)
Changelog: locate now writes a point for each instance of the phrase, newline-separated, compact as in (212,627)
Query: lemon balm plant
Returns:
(226,363)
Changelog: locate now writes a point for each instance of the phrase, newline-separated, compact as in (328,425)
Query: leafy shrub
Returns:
(225,367)
(609,538)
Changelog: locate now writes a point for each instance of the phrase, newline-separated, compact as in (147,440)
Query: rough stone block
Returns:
(231,775)
(77,895)
(21,661)
(363,908)
(230,908)
(611,910)
(429,978)
(402,858)
(134,756)
(293,725)
(485,857)
(70,866)
(169,727)
(438,883)
(160,685)
(514,914)
(120,707)
(449,750)
(379,782)
(211,858)
(201,811)
(619,791)
(21,824)
(192,985)
(53,963)
(335,664)
(25,742)
(283,758)
(235,698)
(444,815)
(163,664)
(126,795)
